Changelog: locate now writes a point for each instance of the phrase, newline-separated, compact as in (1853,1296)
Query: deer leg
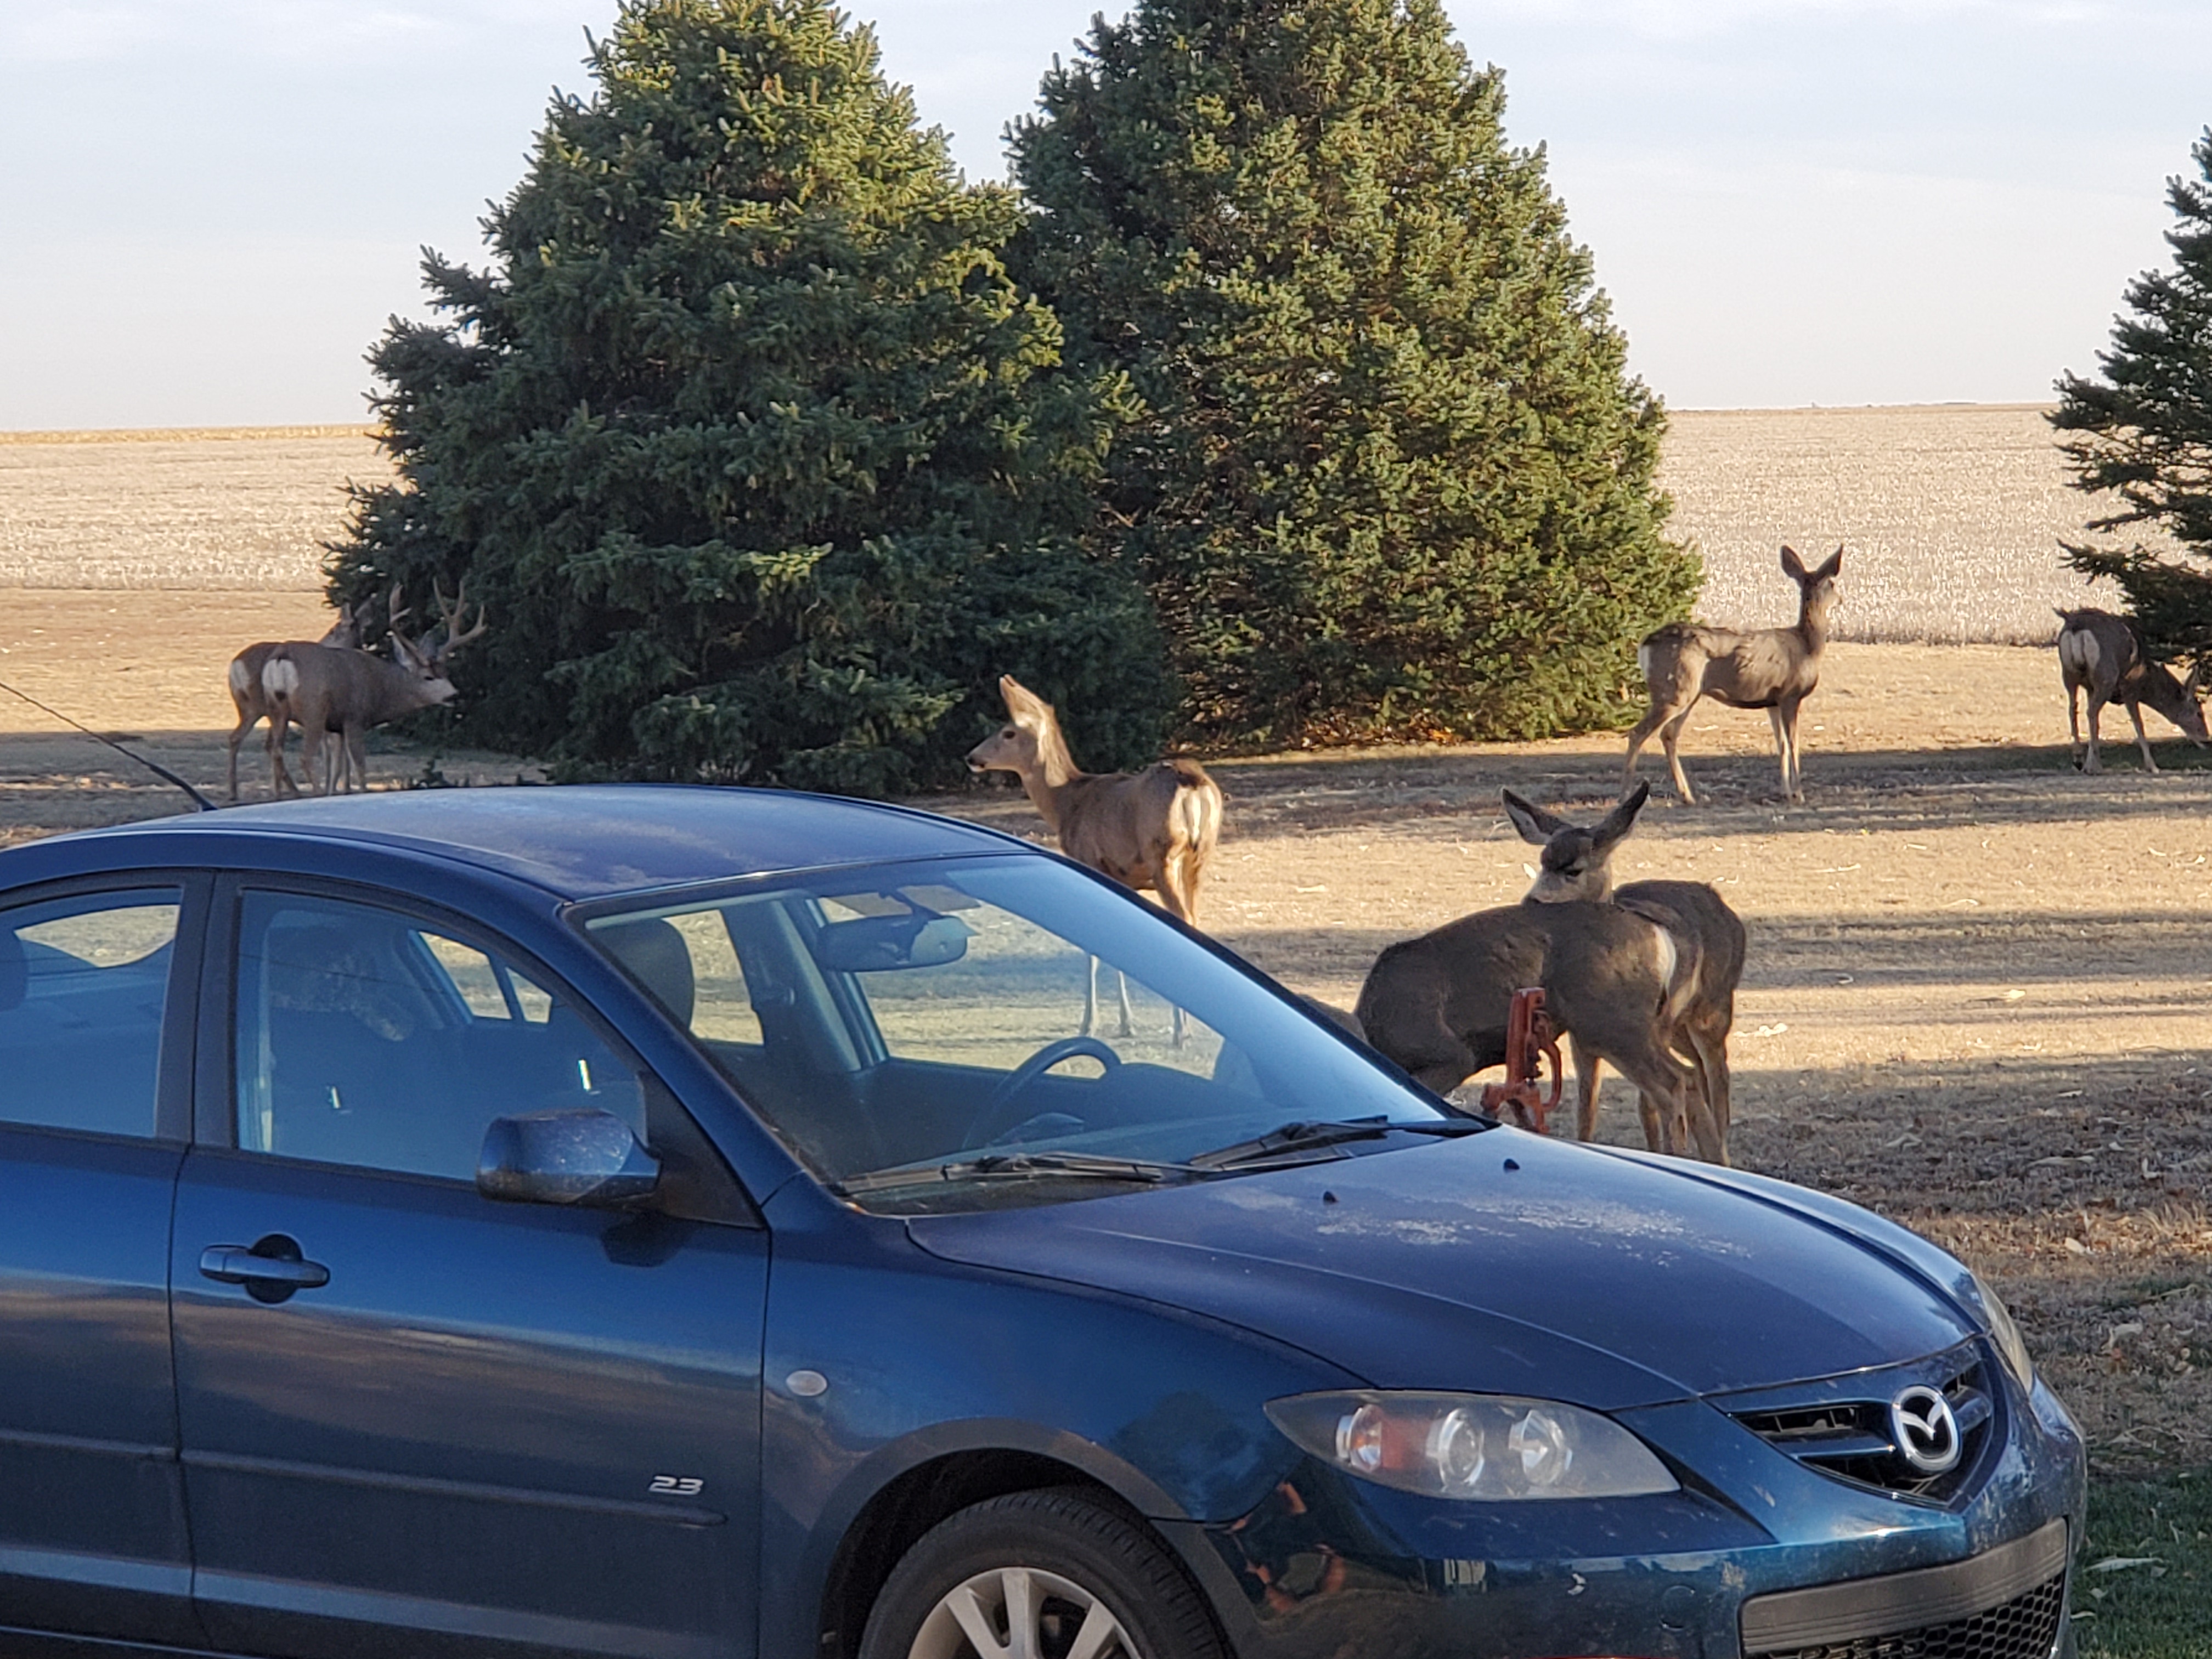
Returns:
(1661,715)
(355,774)
(1121,988)
(279,781)
(1178,890)
(2074,719)
(1667,1085)
(313,733)
(1670,735)
(245,723)
(1709,1050)
(2143,742)
(1781,748)
(1089,996)
(1587,1078)
(2093,761)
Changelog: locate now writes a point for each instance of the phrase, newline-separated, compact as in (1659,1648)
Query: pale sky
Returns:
(209,207)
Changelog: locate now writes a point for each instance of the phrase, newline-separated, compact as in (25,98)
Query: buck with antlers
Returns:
(245,693)
(1710,945)
(1615,984)
(1772,668)
(2099,653)
(1153,828)
(345,692)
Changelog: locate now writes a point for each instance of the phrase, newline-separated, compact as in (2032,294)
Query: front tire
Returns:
(1039,1575)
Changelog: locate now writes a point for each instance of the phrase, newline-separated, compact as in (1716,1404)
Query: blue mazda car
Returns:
(696,1222)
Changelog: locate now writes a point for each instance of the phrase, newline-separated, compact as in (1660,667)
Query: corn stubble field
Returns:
(1977,988)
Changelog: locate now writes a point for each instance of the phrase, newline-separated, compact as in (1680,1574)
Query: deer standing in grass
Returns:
(1710,946)
(245,693)
(1150,830)
(1613,982)
(1772,668)
(2099,653)
(345,692)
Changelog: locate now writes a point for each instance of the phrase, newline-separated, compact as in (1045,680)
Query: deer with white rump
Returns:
(345,692)
(1710,945)
(1613,982)
(1153,828)
(2099,653)
(245,693)
(1772,668)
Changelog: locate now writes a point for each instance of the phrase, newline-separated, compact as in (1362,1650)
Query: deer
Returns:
(1152,830)
(1438,1004)
(2099,653)
(245,692)
(346,692)
(1772,668)
(1710,945)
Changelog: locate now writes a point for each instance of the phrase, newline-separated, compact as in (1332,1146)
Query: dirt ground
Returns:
(1976,995)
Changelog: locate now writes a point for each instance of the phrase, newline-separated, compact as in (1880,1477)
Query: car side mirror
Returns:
(587,1159)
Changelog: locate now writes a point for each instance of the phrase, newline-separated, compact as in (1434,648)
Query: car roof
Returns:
(587,840)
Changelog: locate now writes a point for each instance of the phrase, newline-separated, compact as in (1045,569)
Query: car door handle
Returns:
(233,1264)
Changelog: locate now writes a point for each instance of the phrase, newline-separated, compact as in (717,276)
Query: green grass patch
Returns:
(2161,1609)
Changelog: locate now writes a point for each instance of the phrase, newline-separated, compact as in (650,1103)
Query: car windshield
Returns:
(957,1033)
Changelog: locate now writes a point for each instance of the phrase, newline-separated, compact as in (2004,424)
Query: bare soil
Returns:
(1976,998)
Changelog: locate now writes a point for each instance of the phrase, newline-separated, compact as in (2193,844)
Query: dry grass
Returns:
(245,510)
(1951,515)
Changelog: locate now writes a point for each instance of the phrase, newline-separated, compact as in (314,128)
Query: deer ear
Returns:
(1792,566)
(1622,819)
(1024,704)
(1834,562)
(2196,679)
(1536,824)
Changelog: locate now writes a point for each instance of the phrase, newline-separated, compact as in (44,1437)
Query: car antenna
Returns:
(198,800)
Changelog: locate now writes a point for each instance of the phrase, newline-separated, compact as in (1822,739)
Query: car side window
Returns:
(366,1037)
(82,983)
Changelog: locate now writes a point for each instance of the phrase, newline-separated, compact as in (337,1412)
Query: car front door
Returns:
(94,1099)
(415,1419)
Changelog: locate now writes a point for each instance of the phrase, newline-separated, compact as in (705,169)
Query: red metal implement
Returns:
(1528,1033)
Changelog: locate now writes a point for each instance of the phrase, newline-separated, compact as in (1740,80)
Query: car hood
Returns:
(1498,1263)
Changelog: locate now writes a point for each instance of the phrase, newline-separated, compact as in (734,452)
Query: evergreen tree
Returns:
(763,465)
(1392,478)
(2145,432)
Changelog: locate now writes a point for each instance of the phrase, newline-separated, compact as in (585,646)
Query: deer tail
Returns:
(280,677)
(1197,806)
(242,678)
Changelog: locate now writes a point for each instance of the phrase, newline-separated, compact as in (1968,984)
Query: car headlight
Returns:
(1485,1446)
(2010,1343)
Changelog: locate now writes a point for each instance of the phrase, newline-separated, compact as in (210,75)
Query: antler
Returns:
(454,614)
(394,612)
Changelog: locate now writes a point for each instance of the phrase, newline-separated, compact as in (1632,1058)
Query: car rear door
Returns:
(414,1420)
(96,986)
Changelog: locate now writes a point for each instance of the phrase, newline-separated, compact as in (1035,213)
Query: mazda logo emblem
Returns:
(1926,1433)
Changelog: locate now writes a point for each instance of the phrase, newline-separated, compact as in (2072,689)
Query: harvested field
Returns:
(245,509)
(1951,516)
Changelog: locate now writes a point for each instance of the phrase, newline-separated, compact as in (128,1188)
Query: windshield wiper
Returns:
(1024,1166)
(1293,1141)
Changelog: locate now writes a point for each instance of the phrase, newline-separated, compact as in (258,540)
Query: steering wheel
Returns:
(990,1115)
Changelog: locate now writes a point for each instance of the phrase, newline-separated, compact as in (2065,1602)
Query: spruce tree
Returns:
(762,463)
(2144,433)
(1393,479)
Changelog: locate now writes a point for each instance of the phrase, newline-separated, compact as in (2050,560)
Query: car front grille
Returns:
(2025,1627)
(1846,1431)
(2006,1603)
